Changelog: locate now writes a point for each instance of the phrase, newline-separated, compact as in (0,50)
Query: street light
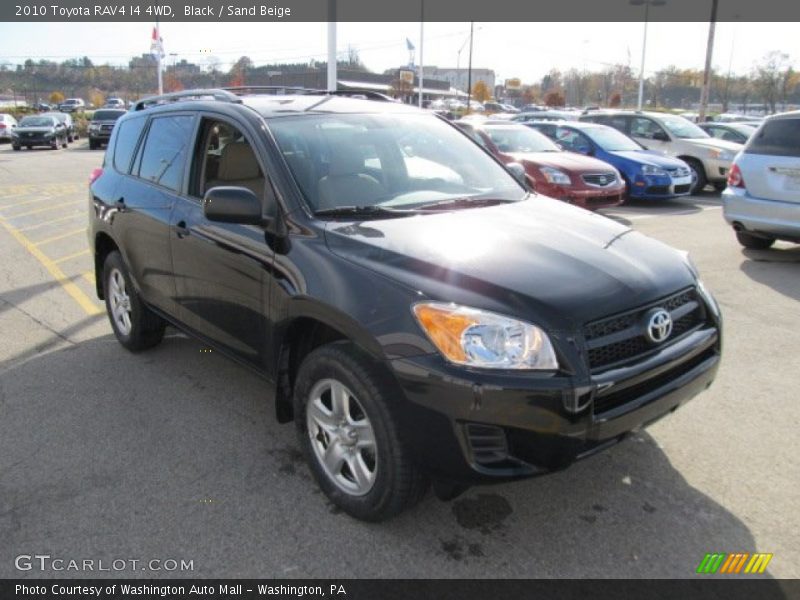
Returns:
(458,55)
(647,4)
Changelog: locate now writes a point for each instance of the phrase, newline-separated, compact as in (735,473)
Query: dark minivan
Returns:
(418,313)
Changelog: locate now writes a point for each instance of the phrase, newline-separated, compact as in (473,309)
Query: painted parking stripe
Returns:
(71,288)
(43,223)
(60,236)
(44,209)
(70,256)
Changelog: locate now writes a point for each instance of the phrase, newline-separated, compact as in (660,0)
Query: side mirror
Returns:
(518,171)
(660,136)
(225,204)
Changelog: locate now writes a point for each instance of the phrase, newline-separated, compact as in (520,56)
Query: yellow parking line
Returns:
(73,290)
(43,223)
(39,210)
(17,204)
(60,236)
(70,257)
(89,276)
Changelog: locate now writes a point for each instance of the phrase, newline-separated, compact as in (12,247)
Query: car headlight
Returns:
(701,287)
(722,154)
(477,338)
(651,170)
(555,176)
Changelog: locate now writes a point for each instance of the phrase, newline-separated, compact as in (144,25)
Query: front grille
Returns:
(679,172)
(658,189)
(622,338)
(600,179)
(614,399)
(682,189)
(601,201)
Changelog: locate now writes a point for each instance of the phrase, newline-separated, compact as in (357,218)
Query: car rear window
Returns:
(128,133)
(780,137)
(107,115)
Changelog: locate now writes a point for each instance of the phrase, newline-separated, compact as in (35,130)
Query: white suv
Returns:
(707,157)
(762,200)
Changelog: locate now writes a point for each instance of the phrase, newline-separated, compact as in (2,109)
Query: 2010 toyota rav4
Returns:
(419,316)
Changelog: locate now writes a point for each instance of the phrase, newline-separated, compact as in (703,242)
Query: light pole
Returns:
(705,92)
(647,4)
(458,55)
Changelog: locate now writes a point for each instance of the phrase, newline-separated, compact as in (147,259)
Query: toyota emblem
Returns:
(602,180)
(659,326)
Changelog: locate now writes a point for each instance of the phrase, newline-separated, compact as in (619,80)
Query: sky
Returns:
(524,50)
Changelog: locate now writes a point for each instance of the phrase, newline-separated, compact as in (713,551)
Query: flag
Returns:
(409,45)
(157,44)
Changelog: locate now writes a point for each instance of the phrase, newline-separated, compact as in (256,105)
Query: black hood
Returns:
(539,259)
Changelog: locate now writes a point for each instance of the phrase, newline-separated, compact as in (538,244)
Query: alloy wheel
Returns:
(120,302)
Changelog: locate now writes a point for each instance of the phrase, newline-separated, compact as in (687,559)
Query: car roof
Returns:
(794,114)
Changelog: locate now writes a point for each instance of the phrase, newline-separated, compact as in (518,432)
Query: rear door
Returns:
(770,163)
(146,199)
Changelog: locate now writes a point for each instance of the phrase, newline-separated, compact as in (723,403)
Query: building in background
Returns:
(458,78)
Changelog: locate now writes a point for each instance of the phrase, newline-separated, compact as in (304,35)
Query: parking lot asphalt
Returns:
(174,453)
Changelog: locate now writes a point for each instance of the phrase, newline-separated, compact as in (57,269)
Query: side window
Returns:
(573,140)
(226,158)
(645,128)
(731,137)
(128,134)
(165,149)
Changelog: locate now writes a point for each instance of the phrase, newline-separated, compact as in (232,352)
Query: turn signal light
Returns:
(95,175)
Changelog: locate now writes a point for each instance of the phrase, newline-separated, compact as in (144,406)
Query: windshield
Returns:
(683,128)
(520,139)
(107,115)
(403,161)
(36,122)
(611,140)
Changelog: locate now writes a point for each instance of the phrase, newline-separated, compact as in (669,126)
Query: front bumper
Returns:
(22,140)
(590,199)
(475,426)
(775,218)
(716,170)
(657,187)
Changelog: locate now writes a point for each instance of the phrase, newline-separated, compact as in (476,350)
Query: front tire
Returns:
(699,180)
(753,241)
(345,413)
(135,326)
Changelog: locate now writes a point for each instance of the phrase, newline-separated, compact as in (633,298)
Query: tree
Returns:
(480,91)
(97,99)
(768,77)
(56,98)
(554,99)
(615,100)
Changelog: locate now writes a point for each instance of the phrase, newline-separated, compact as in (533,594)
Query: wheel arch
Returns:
(104,245)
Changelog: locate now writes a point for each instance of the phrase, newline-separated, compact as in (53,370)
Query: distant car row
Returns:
(56,129)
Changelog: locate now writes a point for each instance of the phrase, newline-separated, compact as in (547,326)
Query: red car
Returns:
(574,178)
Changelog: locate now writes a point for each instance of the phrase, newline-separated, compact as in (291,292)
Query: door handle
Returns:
(181,229)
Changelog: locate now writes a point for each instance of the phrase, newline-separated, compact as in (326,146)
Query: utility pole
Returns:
(469,68)
(704,94)
(332,46)
(421,44)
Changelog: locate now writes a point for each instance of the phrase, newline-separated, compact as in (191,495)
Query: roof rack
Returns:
(216,94)
(282,89)
(232,94)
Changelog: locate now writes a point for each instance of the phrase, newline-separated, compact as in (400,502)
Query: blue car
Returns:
(649,175)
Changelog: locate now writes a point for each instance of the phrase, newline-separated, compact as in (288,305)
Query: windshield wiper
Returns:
(363,211)
(465,202)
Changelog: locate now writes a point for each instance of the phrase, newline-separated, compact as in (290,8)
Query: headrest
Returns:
(346,157)
(238,162)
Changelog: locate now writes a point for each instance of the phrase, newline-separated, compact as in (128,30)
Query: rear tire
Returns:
(135,326)
(720,186)
(16,148)
(753,241)
(699,180)
(345,415)
(92,144)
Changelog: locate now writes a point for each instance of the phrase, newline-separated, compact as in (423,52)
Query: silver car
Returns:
(7,125)
(762,200)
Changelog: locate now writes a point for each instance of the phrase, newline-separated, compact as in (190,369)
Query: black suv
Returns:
(101,126)
(418,313)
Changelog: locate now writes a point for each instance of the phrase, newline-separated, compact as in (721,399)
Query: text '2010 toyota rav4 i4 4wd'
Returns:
(420,315)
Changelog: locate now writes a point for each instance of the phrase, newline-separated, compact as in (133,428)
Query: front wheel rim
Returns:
(342,437)
(119,302)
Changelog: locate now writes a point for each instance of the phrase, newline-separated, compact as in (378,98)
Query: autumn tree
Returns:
(480,91)
(97,99)
(56,98)
(554,99)
(615,100)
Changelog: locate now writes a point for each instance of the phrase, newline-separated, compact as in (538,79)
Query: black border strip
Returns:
(395,10)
